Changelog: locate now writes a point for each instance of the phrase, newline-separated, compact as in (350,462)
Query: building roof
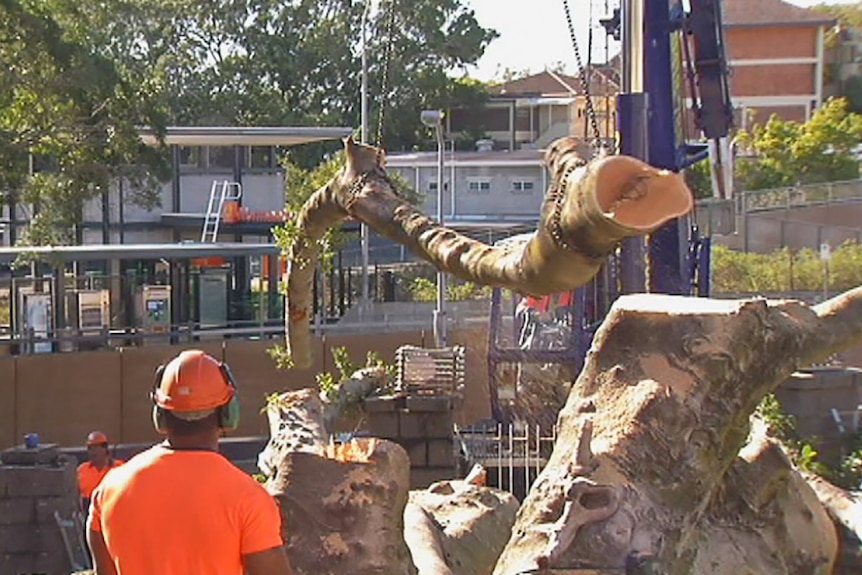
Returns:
(550,83)
(243,135)
(739,13)
(469,159)
(96,252)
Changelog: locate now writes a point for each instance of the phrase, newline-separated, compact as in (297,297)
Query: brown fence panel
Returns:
(258,376)
(8,415)
(64,396)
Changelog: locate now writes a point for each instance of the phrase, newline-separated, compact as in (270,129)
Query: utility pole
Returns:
(434,119)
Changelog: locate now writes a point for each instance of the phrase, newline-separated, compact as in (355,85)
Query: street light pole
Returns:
(363,136)
(434,118)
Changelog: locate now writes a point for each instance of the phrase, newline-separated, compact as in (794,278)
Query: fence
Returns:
(513,455)
(799,196)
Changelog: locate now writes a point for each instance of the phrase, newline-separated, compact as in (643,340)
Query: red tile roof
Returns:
(768,12)
(556,84)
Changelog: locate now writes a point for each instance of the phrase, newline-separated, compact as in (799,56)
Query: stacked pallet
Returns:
(37,486)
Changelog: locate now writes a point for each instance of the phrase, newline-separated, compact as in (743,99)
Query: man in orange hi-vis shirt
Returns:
(91,473)
(181,508)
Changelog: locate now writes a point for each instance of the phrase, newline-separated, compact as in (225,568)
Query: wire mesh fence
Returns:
(513,455)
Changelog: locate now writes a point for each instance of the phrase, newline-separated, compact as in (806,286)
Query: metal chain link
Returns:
(582,75)
(384,84)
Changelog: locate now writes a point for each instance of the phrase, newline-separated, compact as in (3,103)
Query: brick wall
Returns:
(33,486)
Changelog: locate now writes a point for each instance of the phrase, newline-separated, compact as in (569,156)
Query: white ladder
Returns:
(221,192)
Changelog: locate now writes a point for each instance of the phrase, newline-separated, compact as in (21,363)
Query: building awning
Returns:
(544,101)
(243,136)
(99,252)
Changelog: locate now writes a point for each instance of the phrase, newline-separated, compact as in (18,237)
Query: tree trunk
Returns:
(647,467)
(589,208)
(342,505)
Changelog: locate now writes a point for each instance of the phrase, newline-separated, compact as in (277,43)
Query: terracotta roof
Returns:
(554,84)
(768,12)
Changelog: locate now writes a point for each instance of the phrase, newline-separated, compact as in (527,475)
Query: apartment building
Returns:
(532,112)
(776,55)
(201,156)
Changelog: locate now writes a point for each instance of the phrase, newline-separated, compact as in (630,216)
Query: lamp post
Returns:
(434,119)
(363,137)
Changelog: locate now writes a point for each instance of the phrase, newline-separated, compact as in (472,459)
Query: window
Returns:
(523,187)
(190,156)
(432,186)
(479,186)
(222,156)
(261,157)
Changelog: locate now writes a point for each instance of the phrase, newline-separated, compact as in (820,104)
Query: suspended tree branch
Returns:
(589,208)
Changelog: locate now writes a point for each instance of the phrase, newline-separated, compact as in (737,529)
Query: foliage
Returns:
(329,383)
(847,473)
(786,270)
(424,289)
(699,180)
(787,153)
(74,111)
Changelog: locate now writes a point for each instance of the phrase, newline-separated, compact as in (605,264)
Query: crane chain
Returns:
(582,75)
(384,83)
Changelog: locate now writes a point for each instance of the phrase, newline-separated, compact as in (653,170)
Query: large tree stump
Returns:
(457,528)
(342,505)
(647,468)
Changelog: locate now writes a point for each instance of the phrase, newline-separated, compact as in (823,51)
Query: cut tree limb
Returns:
(664,402)
(588,210)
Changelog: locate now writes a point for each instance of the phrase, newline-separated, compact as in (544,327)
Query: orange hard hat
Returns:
(193,381)
(97,438)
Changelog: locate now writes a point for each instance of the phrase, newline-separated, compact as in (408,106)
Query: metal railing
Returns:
(513,455)
(799,196)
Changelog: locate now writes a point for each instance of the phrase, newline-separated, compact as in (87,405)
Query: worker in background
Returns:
(91,473)
(182,508)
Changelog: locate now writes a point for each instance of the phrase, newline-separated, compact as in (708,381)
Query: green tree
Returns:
(62,102)
(787,153)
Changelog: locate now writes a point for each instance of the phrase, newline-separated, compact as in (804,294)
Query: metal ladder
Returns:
(221,192)
(72,531)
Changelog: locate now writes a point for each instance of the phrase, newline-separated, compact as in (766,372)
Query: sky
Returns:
(536,36)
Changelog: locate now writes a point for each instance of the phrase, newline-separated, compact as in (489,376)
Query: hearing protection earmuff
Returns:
(228,414)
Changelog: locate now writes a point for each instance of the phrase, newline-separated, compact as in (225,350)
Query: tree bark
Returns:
(589,208)
(342,505)
(647,467)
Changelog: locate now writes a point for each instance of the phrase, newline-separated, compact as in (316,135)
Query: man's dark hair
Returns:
(184,428)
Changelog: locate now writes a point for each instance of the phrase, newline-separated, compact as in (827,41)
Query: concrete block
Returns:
(40,455)
(17,511)
(29,481)
(429,403)
(425,425)
(27,538)
(417,451)
(422,477)
(441,453)
(381,403)
(46,507)
(46,563)
(383,424)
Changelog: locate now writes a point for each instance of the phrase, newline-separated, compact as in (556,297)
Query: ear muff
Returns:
(158,412)
(228,414)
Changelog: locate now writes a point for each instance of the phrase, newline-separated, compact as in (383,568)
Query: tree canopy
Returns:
(61,100)
(785,153)
(78,78)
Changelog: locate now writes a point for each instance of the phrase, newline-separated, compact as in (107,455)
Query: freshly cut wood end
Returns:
(353,451)
(682,305)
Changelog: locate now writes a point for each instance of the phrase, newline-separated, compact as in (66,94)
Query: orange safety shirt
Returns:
(89,476)
(181,511)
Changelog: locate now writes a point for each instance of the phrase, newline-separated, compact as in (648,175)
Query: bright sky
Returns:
(535,35)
